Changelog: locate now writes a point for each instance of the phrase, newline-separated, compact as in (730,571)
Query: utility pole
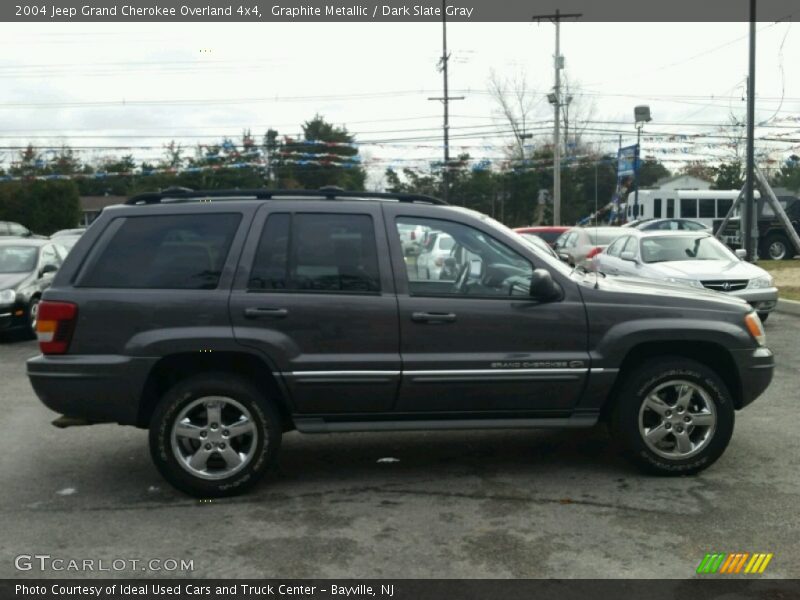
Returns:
(749,226)
(445,101)
(555,100)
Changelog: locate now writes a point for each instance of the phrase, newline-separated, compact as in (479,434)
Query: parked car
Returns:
(578,245)
(548,233)
(667,225)
(9,228)
(26,270)
(412,240)
(773,241)
(437,248)
(221,325)
(68,237)
(695,259)
(539,243)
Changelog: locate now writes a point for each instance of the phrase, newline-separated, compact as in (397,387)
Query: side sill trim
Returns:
(315,425)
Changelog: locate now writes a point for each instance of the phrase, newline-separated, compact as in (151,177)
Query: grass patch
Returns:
(778,265)
(789,293)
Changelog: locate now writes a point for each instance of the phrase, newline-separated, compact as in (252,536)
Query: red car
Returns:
(548,233)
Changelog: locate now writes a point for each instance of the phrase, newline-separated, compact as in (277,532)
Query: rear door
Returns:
(314,294)
(476,342)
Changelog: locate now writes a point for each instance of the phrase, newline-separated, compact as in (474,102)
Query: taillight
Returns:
(54,326)
(413,235)
(594,252)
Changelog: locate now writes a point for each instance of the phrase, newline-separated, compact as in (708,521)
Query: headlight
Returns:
(8,296)
(756,328)
(689,282)
(761,282)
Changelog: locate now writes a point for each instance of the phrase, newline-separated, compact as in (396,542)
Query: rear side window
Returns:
(317,252)
(185,252)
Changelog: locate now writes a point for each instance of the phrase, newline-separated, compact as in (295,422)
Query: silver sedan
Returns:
(689,258)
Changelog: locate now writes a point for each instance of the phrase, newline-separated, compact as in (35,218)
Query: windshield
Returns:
(17,259)
(678,248)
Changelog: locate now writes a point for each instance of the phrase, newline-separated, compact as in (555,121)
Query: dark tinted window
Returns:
(333,252)
(723,206)
(166,252)
(657,208)
(327,253)
(688,207)
(707,208)
(670,207)
(270,268)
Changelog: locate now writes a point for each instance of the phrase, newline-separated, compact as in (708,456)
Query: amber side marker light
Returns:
(756,328)
(55,324)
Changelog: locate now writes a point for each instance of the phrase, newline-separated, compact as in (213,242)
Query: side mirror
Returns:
(543,288)
(628,256)
(49,268)
(741,253)
(563,256)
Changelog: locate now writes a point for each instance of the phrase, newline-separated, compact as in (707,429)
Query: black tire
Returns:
(763,317)
(265,439)
(636,389)
(778,247)
(32,312)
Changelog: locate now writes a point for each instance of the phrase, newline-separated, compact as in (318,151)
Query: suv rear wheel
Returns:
(673,416)
(214,435)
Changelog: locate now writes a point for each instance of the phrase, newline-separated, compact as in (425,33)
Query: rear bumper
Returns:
(755,370)
(96,388)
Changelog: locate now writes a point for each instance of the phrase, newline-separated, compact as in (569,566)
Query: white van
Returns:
(698,205)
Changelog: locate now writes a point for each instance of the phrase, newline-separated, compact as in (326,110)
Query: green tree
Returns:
(730,176)
(326,155)
(789,174)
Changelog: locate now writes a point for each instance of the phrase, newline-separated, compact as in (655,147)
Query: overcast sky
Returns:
(69,82)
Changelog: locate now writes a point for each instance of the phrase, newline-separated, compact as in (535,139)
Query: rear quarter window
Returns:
(165,252)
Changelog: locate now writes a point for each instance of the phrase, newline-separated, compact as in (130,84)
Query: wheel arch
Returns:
(173,368)
(711,354)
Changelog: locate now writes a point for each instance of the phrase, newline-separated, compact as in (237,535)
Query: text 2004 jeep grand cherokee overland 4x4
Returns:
(219,320)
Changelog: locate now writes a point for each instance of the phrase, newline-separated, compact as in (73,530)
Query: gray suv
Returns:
(220,320)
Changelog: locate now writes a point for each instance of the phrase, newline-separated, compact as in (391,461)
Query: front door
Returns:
(472,339)
(314,294)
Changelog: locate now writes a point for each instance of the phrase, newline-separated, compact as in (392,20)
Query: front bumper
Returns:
(764,300)
(755,368)
(13,317)
(97,388)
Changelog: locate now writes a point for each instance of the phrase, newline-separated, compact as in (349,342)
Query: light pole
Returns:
(554,98)
(641,115)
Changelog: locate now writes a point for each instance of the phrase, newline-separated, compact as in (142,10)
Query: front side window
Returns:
(616,247)
(185,252)
(473,263)
(317,252)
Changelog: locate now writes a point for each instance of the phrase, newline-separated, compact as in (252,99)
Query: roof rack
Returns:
(182,194)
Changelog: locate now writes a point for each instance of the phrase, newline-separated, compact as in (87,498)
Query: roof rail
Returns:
(181,194)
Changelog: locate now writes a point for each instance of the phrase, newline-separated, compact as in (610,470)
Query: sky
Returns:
(139,85)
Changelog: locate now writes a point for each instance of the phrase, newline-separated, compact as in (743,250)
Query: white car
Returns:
(690,258)
(437,247)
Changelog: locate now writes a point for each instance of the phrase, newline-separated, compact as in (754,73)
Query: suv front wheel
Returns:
(214,435)
(673,416)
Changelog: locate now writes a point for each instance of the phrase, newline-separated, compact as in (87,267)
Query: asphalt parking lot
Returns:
(452,505)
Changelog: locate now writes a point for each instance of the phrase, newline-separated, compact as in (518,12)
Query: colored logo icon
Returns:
(735,563)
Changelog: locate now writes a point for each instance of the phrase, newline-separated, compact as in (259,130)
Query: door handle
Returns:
(265,313)
(427,317)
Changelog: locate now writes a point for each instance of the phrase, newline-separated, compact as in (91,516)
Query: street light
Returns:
(641,115)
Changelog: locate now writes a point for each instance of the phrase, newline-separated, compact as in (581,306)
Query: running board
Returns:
(315,425)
